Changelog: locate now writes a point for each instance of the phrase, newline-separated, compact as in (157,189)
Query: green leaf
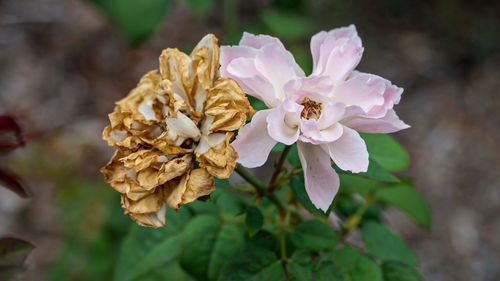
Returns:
(256,103)
(207,245)
(375,171)
(293,156)
(169,271)
(279,147)
(254,220)
(303,57)
(147,250)
(356,265)
(386,151)
(222,182)
(253,264)
(400,272)
(200,8)
(136,19)
(326,270)
(264,239)
(230,207)
(298,188)
(286,25)
(298,272)
(351,183)
(384,244)
(406,198)
(315,236)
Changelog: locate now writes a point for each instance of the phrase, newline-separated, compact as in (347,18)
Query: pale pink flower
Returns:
(323,112)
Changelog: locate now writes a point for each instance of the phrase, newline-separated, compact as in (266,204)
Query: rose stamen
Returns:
(311,109)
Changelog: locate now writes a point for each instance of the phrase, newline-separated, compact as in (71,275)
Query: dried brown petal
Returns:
(153,168)
(148,211)
(165,121)
(205,58)
(174,190)
(200,183)
(191,186)
(219,160)
(115,174)
(228,104)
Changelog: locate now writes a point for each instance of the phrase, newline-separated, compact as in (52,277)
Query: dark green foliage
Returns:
(385,245)
(207,244)
(356,266)
(315,236)
(253,264)
(254,220)
(137,20)
(386,151)
(404,197)
(200,8)
(394,271)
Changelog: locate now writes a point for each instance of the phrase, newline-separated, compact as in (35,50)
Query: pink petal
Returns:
(316,42)
(337,53)
(283,121)
(259,41)
(273,63)
(230,53)
(315,87)
(310,130)
(346,32)
(343,32)
(331,114)
(390,123)
(243,71)
(253,143)
(349,152)
(363,90)
(313,134)
(321,181)
(392,96)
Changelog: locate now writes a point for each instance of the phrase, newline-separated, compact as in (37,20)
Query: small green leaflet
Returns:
(315,236)
(406,198)
(384,244)
(386,151)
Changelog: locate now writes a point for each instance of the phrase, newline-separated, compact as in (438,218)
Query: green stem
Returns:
(284,258)
(260,187)
(354,220)
(279,166)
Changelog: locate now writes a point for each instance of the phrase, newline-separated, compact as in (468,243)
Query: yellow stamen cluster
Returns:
(311,109)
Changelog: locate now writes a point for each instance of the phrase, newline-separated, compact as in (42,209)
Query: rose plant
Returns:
(176,150)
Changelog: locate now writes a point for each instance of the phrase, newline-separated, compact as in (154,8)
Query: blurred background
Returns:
(63,64)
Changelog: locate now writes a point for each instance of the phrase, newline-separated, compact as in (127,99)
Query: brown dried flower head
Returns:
(171,121)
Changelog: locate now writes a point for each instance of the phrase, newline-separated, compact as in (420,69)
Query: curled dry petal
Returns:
(227,103)
(219,160)
(175,116)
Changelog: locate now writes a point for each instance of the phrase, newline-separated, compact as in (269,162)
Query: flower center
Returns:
(311,109)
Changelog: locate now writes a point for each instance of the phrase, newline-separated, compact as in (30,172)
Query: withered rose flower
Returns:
(173,132)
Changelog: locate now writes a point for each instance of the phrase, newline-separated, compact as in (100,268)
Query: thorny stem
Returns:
(278,168)
(260,187)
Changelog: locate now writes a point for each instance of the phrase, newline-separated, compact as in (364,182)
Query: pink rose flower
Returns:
(322,112)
